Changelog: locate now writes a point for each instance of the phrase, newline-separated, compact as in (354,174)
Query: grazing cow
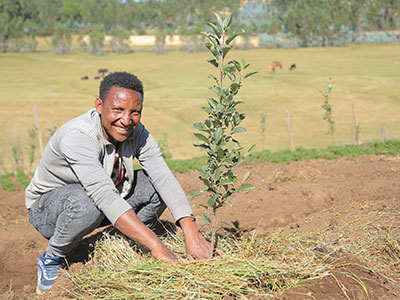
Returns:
(96,77)
(102,72)
(292,67)
(274,65)
(85,78)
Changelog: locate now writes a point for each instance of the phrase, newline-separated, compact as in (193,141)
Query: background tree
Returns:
(61,39)
(96,39)
(119,40)
(18,26)
(313,22)
(71,14)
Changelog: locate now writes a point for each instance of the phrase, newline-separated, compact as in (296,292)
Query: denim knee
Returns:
(78,205)
(64,205)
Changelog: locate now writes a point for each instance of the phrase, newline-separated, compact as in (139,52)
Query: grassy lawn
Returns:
(176,86)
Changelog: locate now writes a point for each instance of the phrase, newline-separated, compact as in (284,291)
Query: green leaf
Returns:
(213,62)
(229,67)
(213,103)
(220,108)
(244,65)
(234,87)
(238,129)
(201,145)
(218,134)
(200,126)
(194,194)
(231,75)
(234,35)
(217,174)
(203,172)
(230,110)
(214,40)
(227,21)
(249,74)
(220,153)
(216,29)
(251,149)
(213,77)
(207,110)
(205,219)
(212,200)
(237,65)
(208,123)
(219,19)
(206,182)
(246,176)
(245,186)
(226,181)
(212,49)
(205,33)
(201,137)
(237,143)
(225,50)
(217,90)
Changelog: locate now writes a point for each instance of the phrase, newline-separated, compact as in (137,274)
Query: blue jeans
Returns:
(66,214)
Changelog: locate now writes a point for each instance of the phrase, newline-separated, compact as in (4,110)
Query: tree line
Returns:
(21,21)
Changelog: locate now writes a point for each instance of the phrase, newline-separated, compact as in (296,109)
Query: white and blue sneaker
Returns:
(47,272)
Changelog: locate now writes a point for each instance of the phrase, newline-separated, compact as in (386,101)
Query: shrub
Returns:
(6,182)
(22,180)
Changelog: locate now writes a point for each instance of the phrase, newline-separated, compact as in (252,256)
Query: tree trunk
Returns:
(289,130)
(213,230)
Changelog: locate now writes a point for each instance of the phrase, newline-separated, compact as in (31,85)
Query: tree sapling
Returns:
(221,124)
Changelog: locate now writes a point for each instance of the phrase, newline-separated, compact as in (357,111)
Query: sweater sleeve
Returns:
(168,187)
(83,155)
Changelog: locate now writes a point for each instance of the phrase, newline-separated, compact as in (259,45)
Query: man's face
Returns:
(120,112)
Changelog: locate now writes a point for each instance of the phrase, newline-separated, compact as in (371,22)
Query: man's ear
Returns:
(98,104)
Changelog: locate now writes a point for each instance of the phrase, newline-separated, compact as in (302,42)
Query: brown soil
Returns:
(298,196)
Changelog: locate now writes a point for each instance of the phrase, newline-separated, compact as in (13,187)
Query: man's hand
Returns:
(197,247)
(130,225)
(164,254)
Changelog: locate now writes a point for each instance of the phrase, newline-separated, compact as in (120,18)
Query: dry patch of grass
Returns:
(252,266)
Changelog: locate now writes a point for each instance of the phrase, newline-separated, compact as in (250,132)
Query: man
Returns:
(86,175)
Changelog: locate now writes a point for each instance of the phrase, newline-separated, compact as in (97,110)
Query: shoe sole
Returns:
(40,292)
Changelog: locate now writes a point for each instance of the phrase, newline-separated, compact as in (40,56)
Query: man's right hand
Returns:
(130,225)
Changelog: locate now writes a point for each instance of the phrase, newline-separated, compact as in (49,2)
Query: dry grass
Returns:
(372,235)
(176,86)
(252,267)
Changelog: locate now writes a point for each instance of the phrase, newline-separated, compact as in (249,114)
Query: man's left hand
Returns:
(197,247)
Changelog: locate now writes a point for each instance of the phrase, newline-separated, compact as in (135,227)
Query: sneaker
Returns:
(47,272)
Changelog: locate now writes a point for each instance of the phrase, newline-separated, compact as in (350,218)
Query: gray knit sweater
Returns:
(79,153)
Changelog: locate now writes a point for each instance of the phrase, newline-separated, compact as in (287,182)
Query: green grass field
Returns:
(176,86)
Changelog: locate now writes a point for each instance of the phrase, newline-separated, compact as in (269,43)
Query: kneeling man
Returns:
(86,177)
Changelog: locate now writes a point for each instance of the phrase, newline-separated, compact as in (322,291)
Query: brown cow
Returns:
(102,72)
(274,65)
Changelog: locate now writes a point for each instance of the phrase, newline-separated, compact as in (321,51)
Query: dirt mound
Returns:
(347,199)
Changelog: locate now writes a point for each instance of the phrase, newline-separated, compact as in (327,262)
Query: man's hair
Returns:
(120,79)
